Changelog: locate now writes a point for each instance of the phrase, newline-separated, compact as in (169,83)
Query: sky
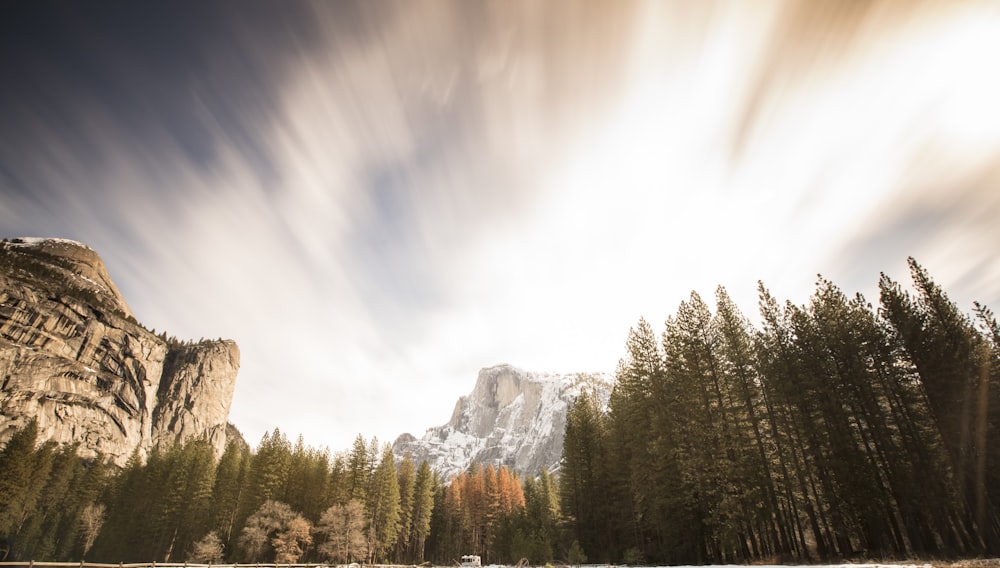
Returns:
(377,199)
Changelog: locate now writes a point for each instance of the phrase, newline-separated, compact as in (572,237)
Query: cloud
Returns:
(376,200)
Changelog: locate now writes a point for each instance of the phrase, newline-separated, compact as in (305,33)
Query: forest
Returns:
(280,503)
(834,430)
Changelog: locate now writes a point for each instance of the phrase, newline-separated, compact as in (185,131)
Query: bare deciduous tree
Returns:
(208,550)
(91,521)
(344,529)
(262,526)
(290,543)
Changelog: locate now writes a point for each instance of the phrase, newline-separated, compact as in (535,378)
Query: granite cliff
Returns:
(73,356)
(512,417)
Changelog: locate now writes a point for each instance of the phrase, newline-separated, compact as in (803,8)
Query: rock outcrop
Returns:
(73,357)
(195,393)
(512,418)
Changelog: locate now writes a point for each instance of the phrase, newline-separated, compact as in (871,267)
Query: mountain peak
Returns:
(512,417)
(72,262)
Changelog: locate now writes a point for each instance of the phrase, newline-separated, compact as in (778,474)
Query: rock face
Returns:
(195,393)
(512,418)
(73,356)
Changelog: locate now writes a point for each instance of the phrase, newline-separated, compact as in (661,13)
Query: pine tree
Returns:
(788,415)
(230,481)
(338,491)
(849,424)
(267,476)
(423,506)
(692,437)
(951,358)
(629,422)
(121,536)
(407,479)
(307,479)
(38,514)
(383,507)
(764,513)
(51,529)
(19,484)
(541,497)
(445,527)
(358,471)
(582,482)
(194,509)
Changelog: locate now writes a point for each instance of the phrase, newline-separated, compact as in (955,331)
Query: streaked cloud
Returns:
(376,200)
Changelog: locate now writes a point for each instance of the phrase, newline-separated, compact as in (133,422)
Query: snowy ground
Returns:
(977,563)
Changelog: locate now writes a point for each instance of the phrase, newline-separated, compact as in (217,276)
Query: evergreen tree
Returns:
(307,480)
(693,436)
(20,484)
(541,522)
(789,401)
(52,528)
(762,509)
(444,526)
(122,527)
(338,491)
(423,504)
(230,480)
(407,480)
(630,411)
(267,475)
(38,513)
(383,508)
(848,429)
(185,510)
(952,360)
(583,488)
(358,471)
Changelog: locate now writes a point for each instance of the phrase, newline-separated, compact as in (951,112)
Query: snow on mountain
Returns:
(46,241)
(512,417)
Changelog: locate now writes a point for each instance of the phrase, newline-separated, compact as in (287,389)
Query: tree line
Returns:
(833,430)
(281,502)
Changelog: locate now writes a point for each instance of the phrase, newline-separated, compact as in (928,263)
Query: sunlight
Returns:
(963,55)
(826,148)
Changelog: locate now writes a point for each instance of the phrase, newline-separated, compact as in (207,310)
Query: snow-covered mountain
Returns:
(512,417)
